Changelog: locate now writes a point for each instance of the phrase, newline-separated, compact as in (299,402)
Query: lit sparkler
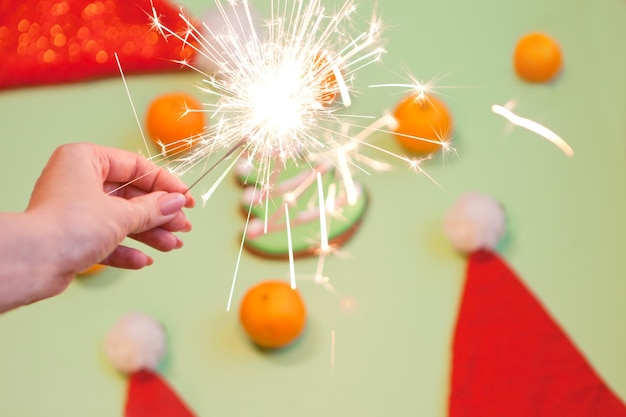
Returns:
(274,95)
(275,100)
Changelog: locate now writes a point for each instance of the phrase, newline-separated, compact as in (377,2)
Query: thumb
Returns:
(154,209)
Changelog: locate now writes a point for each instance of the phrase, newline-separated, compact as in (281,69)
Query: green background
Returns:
(565,235)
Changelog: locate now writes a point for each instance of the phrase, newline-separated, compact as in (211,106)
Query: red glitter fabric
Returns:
(57,41)
(511,359)
(150,396)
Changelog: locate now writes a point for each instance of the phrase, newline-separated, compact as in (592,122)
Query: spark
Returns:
(347,305)
(322,206)
(292,272)
(420,90)
(534,127)
(277,98)
(132,105)
(155,17)
(234,280)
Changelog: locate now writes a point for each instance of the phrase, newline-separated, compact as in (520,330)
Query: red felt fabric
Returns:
(510,358)
(150,396)
(58,41)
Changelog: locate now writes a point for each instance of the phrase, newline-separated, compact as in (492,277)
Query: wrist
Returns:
(30,260)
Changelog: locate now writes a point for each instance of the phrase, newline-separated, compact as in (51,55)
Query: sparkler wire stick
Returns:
(226,155)
(208,194)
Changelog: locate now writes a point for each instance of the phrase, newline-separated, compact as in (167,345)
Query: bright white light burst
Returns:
(277,94)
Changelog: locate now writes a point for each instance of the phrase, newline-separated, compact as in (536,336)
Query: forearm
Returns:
(78,215)
(29,267)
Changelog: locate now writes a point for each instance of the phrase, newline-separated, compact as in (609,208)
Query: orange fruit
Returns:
(95,268)
(175,121)
(537,58)
(272,314)
(329,87)
(422,116)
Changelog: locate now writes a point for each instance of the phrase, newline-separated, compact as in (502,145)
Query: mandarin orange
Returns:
(175,121)
(329,86)
(537,58)
(272,314)
(424,123)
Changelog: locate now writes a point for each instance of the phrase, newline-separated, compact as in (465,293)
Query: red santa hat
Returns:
(135,345)
(50,41)
(510,358)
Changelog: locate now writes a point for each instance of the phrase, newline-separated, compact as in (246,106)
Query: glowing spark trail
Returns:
(322,206)
(534,127)
(234,281)
(132,105)
(292,272)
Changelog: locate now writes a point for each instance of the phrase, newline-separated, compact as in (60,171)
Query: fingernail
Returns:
(171,203)
(149,261)
(179,243)
(187,227)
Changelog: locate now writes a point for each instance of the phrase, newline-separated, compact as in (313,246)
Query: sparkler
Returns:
(275,100)
(277,92)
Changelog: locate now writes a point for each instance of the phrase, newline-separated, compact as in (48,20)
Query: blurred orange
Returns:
(272,314)
(175,121)
(329,85)
(424,123)
(93,269)
(537,58)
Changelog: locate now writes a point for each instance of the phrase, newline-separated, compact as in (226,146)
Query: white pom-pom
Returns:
(476,221)
(135,342)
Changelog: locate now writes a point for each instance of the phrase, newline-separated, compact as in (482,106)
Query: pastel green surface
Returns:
(566,228)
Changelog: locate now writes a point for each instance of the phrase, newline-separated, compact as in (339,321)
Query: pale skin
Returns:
(78,215)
